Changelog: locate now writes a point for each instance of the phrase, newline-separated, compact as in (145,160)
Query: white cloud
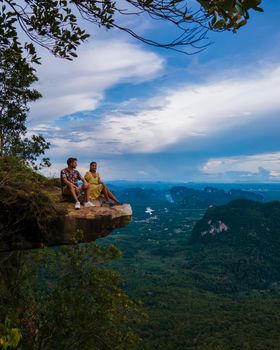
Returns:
(70,87)
(266,165)
(194,112)
(142,173)
(191,111)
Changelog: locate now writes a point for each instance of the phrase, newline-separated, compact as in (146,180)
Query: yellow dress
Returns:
(95,187)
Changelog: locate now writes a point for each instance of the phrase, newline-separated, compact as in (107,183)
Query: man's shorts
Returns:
(66,191)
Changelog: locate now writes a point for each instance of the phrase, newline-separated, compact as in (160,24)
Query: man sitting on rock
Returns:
(71,181)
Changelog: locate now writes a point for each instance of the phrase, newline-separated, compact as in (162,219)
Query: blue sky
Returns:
(152,114)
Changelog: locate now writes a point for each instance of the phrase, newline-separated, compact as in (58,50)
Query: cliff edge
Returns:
(33,214)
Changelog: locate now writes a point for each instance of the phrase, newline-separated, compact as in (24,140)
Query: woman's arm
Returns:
(88,176)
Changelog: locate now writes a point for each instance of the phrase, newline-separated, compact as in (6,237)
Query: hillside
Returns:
(238,247)
(240,221)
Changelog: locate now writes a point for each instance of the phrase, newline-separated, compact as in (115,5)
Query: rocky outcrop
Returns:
(88,224)
(52,221)
(215,228)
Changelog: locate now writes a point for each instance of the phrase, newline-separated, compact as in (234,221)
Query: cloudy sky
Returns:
(145,113)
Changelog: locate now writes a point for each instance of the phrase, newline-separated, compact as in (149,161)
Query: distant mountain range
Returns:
(138,194)
(184,196)
(209,196)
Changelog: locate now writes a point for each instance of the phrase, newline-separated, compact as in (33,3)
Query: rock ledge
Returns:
(88,224)
(69,226)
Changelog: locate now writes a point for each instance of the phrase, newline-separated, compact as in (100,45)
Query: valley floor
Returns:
(192,300)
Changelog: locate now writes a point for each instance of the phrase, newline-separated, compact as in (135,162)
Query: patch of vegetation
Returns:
(221,293)
(66,298)
(27,211)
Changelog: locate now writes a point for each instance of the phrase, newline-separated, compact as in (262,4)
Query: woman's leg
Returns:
(105,191)
(109,193)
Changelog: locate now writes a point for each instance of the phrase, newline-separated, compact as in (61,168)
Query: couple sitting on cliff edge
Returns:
(74,185)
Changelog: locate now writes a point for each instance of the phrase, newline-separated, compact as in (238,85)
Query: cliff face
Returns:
(88,224)
(32,214)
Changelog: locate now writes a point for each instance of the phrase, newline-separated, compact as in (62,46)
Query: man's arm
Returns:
(80,177)
(64,179)
(84,180)
(69,183)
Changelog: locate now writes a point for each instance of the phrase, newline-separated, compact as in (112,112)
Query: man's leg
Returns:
(73,192)
(86,189)
(68,190)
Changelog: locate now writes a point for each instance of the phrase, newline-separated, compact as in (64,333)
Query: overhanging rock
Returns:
(88,224)
(62,224)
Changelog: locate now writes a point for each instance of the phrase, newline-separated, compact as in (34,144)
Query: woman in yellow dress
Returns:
(97,187)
